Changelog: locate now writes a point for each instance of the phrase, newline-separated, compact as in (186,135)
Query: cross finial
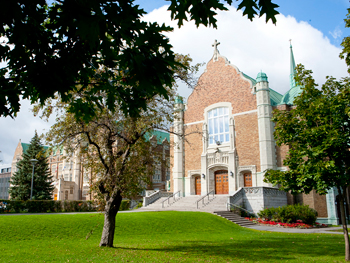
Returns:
(216,51)
(290,41)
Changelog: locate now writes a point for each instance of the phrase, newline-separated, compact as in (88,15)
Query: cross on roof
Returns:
(216,51)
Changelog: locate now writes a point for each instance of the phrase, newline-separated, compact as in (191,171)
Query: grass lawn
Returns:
(157,237)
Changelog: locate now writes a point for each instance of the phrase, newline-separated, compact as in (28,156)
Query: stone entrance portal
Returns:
(248,180)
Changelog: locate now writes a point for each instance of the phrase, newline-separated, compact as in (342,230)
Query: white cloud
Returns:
(22,127)
(336,33)
(255,46)
(251,46)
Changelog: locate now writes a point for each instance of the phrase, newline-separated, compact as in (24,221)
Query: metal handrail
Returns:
(173,195)
(207,195)
(247,211)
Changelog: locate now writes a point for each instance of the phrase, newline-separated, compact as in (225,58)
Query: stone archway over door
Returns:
(198,185)
(221,182)
(247,179)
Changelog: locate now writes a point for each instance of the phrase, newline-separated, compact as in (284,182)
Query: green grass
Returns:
(157,237)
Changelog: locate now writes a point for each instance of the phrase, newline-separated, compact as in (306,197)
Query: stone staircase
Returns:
(234,218)
(189,203)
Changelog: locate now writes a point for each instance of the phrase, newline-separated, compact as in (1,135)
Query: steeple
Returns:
(292,68)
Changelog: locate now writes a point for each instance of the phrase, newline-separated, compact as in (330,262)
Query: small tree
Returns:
(317,131)
(42,180)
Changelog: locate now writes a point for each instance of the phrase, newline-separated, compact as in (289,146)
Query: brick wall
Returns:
(247,139)
(220,83)
(193,147)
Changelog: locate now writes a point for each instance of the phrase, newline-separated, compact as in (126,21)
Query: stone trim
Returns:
(193,123)
(190,177)
(246,168)
(245,112)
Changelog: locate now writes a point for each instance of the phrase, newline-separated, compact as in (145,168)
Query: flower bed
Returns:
(298,224)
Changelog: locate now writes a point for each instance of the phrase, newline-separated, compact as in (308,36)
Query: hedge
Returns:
(290,214)
(49,206)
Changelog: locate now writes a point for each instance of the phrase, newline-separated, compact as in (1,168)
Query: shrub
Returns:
(125,205)
(43,206)
(290,214)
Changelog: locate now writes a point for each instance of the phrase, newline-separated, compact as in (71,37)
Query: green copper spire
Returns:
(292,67)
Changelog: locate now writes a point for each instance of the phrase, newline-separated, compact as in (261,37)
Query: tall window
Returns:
(218,125)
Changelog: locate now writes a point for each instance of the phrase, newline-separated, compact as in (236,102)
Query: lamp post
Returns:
(33,161)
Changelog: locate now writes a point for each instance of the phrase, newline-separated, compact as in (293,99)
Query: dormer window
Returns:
(218,126)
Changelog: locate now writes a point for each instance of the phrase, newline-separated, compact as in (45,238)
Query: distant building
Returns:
(5,175)
(72,181)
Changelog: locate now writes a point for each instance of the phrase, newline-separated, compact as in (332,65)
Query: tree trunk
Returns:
(111,210)
(344,223)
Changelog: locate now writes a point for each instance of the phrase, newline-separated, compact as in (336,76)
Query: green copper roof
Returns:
(250,78)
(179,100)
(25,146)
(160,135)
(288,98)
(261,77)
(275,97)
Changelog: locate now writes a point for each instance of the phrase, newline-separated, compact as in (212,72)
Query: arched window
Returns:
(218,125)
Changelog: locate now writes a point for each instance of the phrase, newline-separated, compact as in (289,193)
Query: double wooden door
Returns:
(221,182)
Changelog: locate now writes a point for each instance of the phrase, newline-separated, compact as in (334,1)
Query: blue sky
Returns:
(316,28)
(325,15)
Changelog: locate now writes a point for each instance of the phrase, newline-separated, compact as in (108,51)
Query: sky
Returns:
(316,28)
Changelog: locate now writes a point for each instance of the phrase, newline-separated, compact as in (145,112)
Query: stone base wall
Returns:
(257,198)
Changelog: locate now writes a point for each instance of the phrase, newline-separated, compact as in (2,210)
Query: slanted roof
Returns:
(275,97)
(250,78)
(290,95)
(160,135)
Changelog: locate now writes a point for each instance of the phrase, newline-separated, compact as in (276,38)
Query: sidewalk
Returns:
(327,230)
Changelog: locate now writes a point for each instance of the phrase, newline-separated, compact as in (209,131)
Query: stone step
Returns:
(234,218)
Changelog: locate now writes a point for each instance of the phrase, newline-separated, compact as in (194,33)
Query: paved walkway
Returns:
(327,230)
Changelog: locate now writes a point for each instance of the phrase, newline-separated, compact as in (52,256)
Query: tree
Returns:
(114,145)
(61,45)
(317,131)
(115,151)
(42,181)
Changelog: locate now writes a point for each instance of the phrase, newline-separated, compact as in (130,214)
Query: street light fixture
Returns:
(33,161)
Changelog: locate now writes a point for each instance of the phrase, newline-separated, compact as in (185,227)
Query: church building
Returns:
(228,141)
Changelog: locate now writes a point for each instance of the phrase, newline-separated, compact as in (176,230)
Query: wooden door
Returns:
(198,185)
(221,182)
(247,180)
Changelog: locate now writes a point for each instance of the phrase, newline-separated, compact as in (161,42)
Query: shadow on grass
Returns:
(269,248)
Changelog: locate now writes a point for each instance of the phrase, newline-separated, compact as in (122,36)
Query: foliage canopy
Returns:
(59,47)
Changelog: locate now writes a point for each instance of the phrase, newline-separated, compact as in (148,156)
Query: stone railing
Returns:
(266,191)
(237,197)
(217,158)
(257,198)
(155,196)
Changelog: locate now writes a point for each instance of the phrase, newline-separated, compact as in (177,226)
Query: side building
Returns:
(5,175)
(72,181)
